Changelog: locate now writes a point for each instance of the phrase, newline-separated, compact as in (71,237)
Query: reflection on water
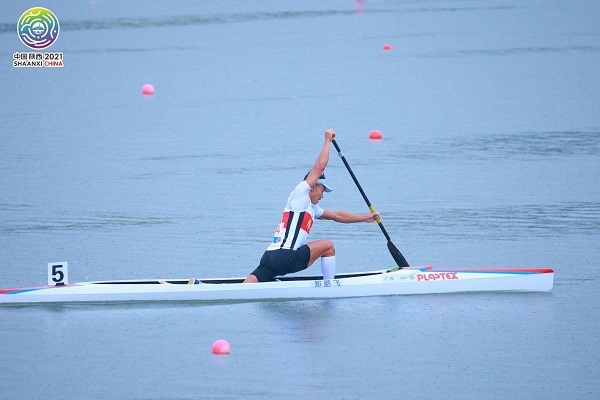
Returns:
(305,321)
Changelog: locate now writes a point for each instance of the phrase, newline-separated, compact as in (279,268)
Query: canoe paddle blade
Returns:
(398,257)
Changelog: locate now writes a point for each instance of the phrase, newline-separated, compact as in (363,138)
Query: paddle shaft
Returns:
(360,189)
(398,257)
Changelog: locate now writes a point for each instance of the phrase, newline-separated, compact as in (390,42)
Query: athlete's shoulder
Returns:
(303,185)
(299,198)
(301,189)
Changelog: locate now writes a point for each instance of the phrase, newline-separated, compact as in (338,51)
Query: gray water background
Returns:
(490,157)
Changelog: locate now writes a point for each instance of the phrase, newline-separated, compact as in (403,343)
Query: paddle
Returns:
(398,257)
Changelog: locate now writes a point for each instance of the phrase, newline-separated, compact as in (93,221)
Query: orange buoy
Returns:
(387,47)
(375,135)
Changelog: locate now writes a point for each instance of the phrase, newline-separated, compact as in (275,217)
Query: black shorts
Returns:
(280,262)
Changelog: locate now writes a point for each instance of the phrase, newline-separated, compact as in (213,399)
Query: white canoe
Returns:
(408,281)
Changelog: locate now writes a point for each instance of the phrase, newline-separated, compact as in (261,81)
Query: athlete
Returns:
(290,251)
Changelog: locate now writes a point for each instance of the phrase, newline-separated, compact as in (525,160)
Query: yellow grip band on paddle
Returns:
(373,210)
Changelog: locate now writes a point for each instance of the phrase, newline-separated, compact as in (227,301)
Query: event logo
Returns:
(38,28)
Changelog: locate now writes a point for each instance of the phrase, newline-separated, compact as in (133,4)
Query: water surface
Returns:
(490,157)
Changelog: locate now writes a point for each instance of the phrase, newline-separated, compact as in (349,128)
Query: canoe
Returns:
(406,281)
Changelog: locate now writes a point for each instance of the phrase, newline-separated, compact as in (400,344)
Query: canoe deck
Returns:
(407,281)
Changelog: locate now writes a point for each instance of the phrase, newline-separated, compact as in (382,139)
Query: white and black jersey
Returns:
(297,220)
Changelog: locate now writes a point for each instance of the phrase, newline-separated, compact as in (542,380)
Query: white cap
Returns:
(322,182)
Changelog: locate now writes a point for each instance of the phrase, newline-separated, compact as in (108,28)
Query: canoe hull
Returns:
(409,281)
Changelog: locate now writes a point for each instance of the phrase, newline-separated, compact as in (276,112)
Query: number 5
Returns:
(58,274)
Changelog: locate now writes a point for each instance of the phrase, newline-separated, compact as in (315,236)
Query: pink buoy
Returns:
(387,47)
(147,89)
(375,135)
(221,347)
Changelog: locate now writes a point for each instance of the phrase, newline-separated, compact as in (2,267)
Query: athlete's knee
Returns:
(329,248)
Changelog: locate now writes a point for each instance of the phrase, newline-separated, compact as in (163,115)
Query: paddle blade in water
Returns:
(398,257)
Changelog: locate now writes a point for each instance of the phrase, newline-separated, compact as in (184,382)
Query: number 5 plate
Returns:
(58,273)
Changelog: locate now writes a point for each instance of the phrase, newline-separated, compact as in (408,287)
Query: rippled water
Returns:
(490,157)
(526,145)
